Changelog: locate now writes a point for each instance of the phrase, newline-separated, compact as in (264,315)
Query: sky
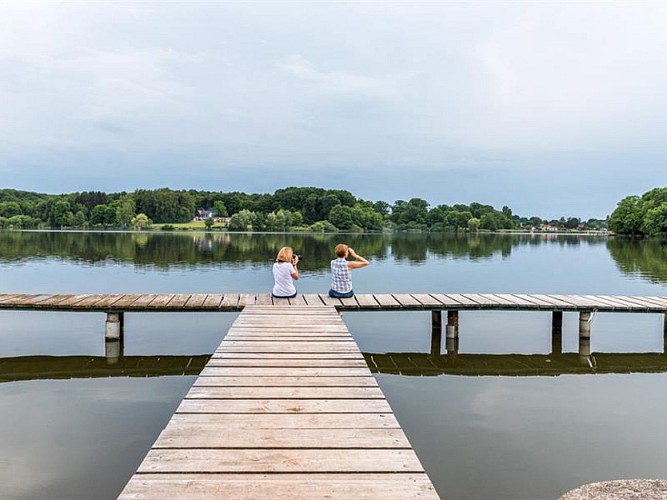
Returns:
(552,108)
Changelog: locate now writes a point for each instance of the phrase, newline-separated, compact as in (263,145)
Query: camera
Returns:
(297,256)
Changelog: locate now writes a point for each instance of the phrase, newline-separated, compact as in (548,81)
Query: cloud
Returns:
(339,82)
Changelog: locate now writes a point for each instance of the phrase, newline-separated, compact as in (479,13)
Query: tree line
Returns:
(301,208)
(644,215)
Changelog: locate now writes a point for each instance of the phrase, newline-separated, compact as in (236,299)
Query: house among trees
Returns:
(202,214)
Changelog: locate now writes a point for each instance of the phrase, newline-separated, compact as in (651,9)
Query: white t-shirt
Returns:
(282,275)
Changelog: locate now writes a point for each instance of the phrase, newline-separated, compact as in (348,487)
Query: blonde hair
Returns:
(341,249)
(286,254)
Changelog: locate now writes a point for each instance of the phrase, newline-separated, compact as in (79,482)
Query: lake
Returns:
(515,426)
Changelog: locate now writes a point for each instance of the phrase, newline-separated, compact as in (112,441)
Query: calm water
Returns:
(485,426)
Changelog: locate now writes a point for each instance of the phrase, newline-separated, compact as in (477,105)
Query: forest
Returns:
(644,215)
(288,209)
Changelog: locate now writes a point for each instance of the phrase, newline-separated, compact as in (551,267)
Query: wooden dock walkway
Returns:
(420,301)
(285,409)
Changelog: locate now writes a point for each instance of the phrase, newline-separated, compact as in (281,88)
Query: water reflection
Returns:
(14,369)
(644,258)
(17,368)
(165,250)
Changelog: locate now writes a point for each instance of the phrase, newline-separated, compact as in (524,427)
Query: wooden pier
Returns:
(285,409)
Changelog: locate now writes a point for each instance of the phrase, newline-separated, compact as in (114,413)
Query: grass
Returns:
(189,226)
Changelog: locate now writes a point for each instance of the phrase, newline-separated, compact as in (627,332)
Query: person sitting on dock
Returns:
(285,271)
(341,271)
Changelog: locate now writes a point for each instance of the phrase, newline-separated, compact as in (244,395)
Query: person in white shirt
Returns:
(285,272)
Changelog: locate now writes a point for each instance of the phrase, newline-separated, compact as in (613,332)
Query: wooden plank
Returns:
(330,301)
(6,297)
(126,300)
(298,301)
(247,299)
(301,363)
(646,300)
(108,301)
(285,393)
(629,304)
(286,355)
(212,301)
(196,301)
(386,301)
(179,300)
(230,302)
(482,301)
(598,303)
(54,299)
(284,337)
(407,301)
(263,299)
(283,406)
(350,303)
(547,301)
(144,300)
(253,460)
(312,299)
(283,372)
(660,300)
(90,301)
(35,299)
(464,301)
(213,379)
(446,301)
(427,300)
(367,301)
(160,301)
(245,422)
(184,435)
(506,301)
(279,301)
(520,302)
(72,301)
(388,486)
(580,304)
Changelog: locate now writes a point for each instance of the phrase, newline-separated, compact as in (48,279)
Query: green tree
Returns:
(125,212)
(342,217)
(220,209)
(655,221)
(141,221)
(628,216)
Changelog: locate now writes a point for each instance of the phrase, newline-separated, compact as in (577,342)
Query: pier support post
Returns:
(585,324)
(664,330)
(436,333)
(113,327)
(584,350)
(452,346)
(113,351)
(452,329)
(557,332)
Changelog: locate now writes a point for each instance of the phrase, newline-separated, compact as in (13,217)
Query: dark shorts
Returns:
(337,295)
(284,297)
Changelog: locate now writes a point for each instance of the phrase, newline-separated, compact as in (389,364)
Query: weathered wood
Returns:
(350,303)
(230,301)
(462,300)
(213,379)
(126,301)
(407,301)
(160,301)
(387,301)
(279,396)
(247,422)
(283,406)
(367,301)
(263,299)
(480,300)
(308,486)
(298,301)
(291,460)
(196,301)
(290,362)
(426,300)
(285,392)
(213,301)
(185,435)
(330,301)
(312,299)
(247,299)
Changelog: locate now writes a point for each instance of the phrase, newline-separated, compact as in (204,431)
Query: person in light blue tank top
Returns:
(341,271)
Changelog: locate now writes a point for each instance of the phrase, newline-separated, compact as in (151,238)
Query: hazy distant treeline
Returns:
(304,208)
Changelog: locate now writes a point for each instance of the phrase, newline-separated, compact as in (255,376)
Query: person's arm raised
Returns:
(358,261)
(295,274)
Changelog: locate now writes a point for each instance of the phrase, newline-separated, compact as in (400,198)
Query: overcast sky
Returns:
(551,108)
